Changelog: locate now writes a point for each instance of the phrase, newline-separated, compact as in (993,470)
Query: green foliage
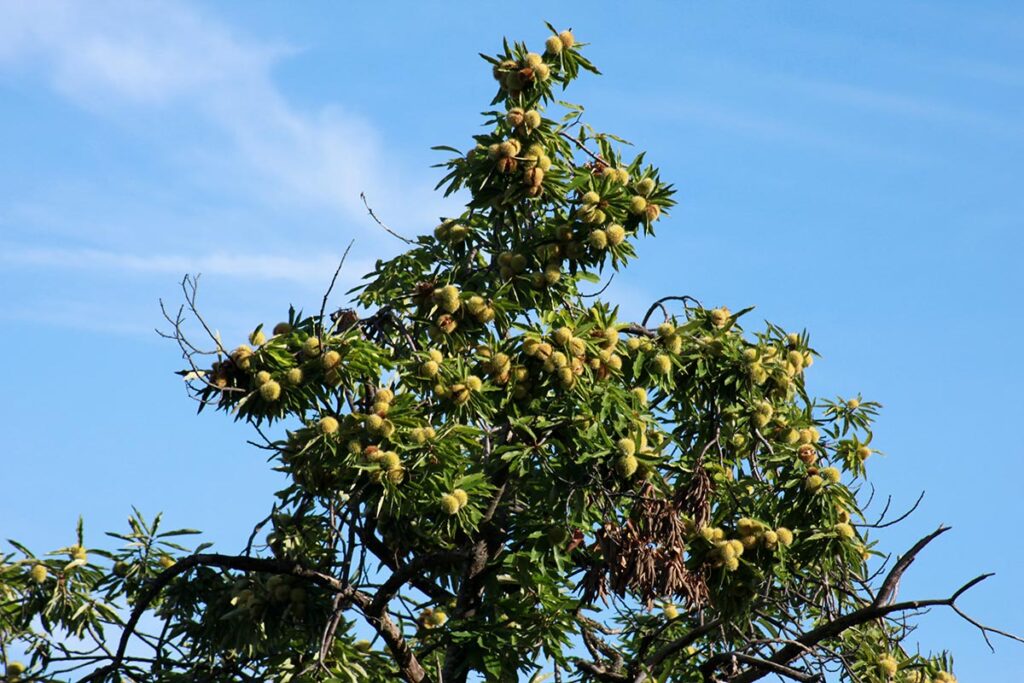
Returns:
(489,473)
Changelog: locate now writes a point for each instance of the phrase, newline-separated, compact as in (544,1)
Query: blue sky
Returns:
(852,168)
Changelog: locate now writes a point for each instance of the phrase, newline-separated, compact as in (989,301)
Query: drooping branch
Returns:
(236,562)
(375,614)
(685,298)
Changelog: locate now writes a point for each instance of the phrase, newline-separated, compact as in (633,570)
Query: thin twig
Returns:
(391,232)
(579,143)
(880,525)
(334,278)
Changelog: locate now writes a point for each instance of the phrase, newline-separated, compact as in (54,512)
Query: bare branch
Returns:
(840,624)
(600,291)
(323,303)
(675,646)
(878,524)
(582,147)
(659,304)
(985,630)
(890,585)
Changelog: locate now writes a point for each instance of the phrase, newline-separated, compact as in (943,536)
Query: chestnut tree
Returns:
(489,474)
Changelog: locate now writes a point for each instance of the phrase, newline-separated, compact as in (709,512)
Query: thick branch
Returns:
(407,572)
(675,646)
(378,617)
(384,555)
(889,586)
(600,672)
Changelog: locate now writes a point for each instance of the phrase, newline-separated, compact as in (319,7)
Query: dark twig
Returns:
(780,669)
(878,524)
(579,143)
(659,304)
(600,291)
(985,630)
(330,288)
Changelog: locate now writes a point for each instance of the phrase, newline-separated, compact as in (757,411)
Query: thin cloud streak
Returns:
(755,121)
(906,106)
(987,72)
(776,130)
(80,316)
(307,271)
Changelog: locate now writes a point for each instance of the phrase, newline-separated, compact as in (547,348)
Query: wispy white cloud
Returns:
(149,52)
(228,175)
(162,57)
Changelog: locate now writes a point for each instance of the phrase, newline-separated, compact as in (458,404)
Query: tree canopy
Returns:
(489,473)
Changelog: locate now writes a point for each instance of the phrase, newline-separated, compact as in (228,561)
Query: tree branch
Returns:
(675,646)
(362,195)
(406,572)
(412,670)
(330,288)
(833,628)
(599,672)
(583,148)
(773,667)
(890,585)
